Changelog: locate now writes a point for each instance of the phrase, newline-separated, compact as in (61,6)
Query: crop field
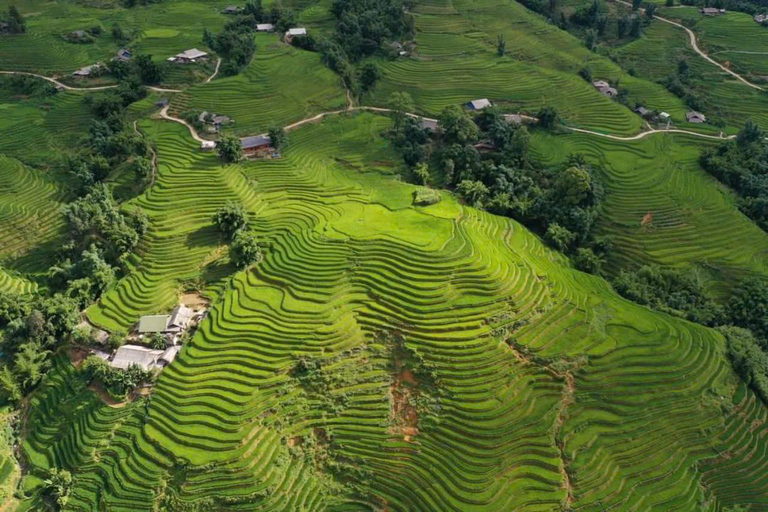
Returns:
(383,355)
(733,38)
(693,218)
(416,401)
(273,90)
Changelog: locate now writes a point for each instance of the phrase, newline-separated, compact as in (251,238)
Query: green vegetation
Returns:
(399,318)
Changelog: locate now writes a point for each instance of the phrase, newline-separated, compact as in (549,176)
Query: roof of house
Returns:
(396,45)
(711,10)
(600,83)
(642,111)
(124,54)
(153,323)
(761,18)
(129,355)
(99,335)
(256,141)
(87,70)
(170,354)
(479,104)
(180,316)
(664,115)
(264,27)
(78,33)
(299,31)
(513,118)
(162,102)
(232,8)
(608,91)
(695,116)
(192,53)
(207,144)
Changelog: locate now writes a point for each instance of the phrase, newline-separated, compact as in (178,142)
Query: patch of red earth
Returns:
(97,388)
(403,416)
(194,300)
(77,355)
(295,441)
(647,220)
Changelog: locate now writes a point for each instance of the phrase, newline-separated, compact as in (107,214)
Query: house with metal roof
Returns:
(294,32)
(232,9)
(86,71)
(695,117)
(151,324)
(130,355)
(191,55)
(479,104)
(711,11)
(123,55)
(264,27)
(428,124)
(256,145)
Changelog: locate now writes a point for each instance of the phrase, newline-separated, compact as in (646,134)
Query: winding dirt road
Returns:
(695,46)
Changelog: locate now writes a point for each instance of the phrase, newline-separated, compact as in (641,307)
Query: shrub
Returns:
(245,250)
(423,196)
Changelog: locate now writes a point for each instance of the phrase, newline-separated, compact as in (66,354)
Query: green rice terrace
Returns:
(350,255)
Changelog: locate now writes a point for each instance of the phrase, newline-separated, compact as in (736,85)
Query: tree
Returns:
(231,219)
(457,126)
(559,237)
(749,360)
(634,31)
(245,250)
(748,307)
(278,137)
(587,261)
(118,34)
(749,134)
(548,117)
(475,192)
(16,23)
(501,45)
(622,25)
(31,364)
(254,8)
(400,103)
(150,72)
(636,4)
(590,39)
(58,485)
(586,74)
(10,391)
(670,3)
(157,341)
(369,75)
(229,149)
(650,10)
(573,186)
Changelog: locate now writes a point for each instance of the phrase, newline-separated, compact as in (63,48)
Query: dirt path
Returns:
(71,88)
(164,114)
(215,72)
(695,46)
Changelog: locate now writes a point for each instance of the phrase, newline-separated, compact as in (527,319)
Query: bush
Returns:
(231,219)
(587,261)
(245,250)
(423,196)
(229,149)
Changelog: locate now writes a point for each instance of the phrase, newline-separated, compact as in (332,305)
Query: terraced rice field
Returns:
(693,218)
(592,402)
(733,38)
(162,30)
(281,85)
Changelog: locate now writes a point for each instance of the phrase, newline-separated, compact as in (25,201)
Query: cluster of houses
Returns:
(170,326)
(123,55)
(213,122)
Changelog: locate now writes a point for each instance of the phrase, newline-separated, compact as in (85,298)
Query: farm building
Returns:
(643,112)
(207,145)
(695,117)
(761,18)
(479,104)
(232,9)
(214,121)
(605,88)
(258,145)
(191,55)
(711,11)
(123,55)
(174,323)
(264,27)
(86,71)
(664,116)
(293,32)
(143,357)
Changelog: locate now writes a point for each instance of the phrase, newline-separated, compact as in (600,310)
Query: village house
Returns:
(232,9)
(644,112)
(162,103)
(77,34)
(86,71)
(605,88)
(695,117)
(664,116)
(171,324)
(191,55)
(761,18)
(214,121)
(264,27)
(4,27)
(293,32)
(258,145)
(146,358)
(711,11)
(208,145)
(479,104)
(123,55)
(513,119)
